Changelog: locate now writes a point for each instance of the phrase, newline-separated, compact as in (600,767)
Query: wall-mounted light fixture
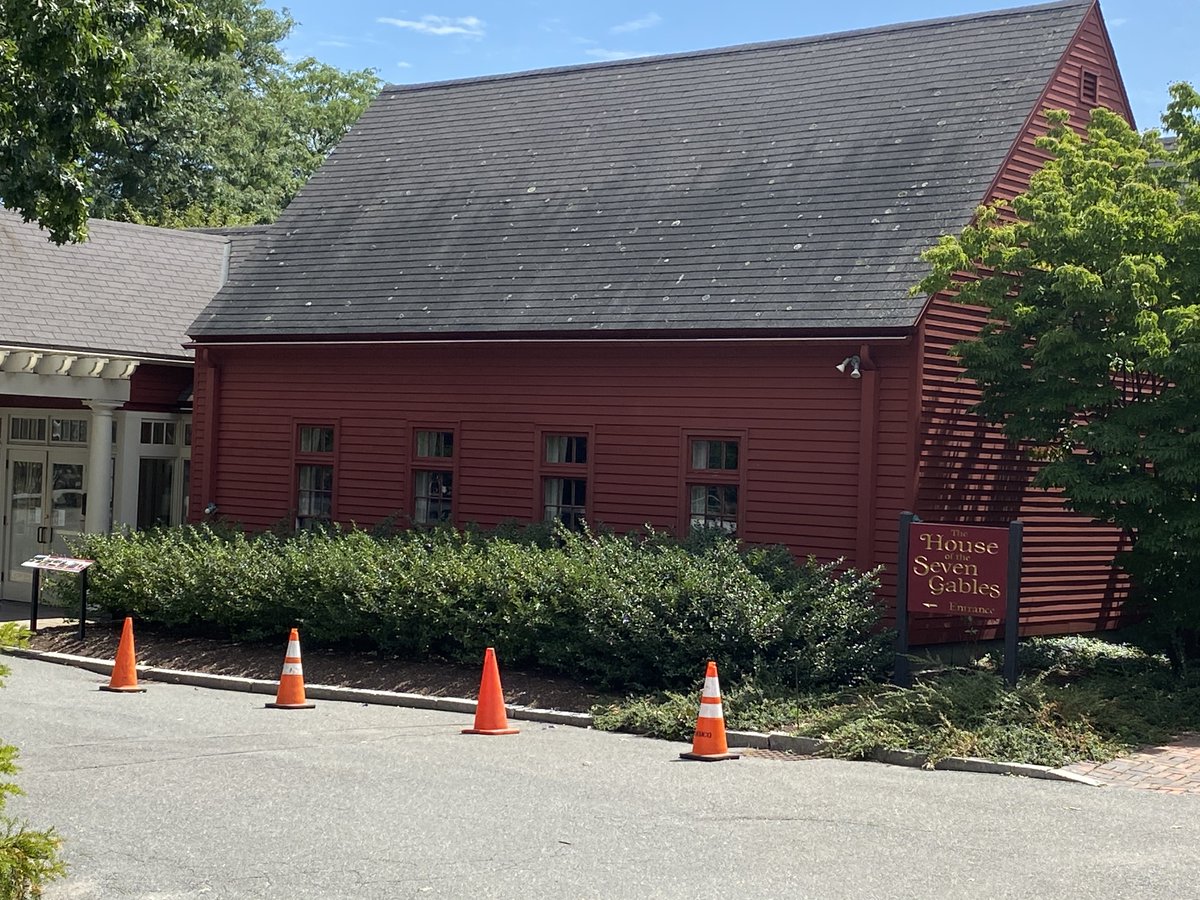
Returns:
(851,365)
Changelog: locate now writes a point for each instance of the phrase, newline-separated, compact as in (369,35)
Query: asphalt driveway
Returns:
(182,792)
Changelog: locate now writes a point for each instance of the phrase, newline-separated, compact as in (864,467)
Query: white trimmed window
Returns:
(156,432)
(68,431)
(27,430)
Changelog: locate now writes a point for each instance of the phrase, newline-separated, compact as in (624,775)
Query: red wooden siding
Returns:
(22,402)
(800,417)
(1090,51)
(159,388)
(968,472)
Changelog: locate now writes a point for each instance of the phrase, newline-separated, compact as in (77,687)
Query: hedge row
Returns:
(623,612)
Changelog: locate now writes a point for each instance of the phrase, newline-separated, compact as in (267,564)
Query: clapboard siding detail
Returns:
(969,472)
(801,419)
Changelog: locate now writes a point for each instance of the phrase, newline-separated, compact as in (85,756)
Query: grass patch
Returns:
(1078,698)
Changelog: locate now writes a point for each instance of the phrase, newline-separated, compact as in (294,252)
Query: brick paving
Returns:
(1172,768)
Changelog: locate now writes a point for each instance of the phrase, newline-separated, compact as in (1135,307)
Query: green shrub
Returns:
(640,611)
(943,714)
(746,706)
(1080,653)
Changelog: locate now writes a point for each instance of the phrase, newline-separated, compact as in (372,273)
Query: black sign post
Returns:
(1013,613)
(902,671)
(36,590)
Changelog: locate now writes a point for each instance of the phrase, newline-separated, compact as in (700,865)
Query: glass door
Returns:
(66,503)
(26,519)
(44,506)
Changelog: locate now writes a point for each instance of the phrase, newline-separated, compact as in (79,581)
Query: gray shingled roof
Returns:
(130,289)
(788,185)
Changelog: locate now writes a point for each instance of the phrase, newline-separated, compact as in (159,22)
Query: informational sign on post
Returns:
(57,564)
(957,570)
(945,569)
(45,563)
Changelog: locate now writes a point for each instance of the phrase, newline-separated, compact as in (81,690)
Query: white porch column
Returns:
(99,472)
(125,478)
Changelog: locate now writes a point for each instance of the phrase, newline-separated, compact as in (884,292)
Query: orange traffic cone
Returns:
(490,715)
(708,743)
(291,682)
(124,673)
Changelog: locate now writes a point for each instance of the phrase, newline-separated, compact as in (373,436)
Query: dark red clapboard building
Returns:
(671,291)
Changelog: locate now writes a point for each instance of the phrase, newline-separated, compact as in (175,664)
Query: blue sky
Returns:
(435,40)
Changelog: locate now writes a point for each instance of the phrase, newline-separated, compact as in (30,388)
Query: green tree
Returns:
(238,136)
(28,858)
(64,66)
(1091,358)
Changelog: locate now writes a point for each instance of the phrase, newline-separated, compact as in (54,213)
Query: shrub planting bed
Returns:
(626,612)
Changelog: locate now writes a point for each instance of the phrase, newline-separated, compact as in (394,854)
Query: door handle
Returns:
(41,534)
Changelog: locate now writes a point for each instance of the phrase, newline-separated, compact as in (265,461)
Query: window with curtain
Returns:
(433,476)
(564,479)
(314,452)
(714,483)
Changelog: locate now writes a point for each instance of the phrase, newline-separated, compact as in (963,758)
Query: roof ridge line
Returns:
(735,48)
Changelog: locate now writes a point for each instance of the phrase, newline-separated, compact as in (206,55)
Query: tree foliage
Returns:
(28,858)
(1092,355)
(64,66)
(238,136)
(167,112)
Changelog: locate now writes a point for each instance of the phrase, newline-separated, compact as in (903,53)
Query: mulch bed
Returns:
(347,668)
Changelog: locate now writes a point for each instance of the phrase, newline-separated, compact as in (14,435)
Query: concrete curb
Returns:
(808,746)
(776,740)
(312,691)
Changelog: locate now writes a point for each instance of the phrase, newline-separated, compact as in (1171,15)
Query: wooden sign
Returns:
(957,570)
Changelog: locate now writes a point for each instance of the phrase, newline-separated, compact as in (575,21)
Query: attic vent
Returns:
(1089,88)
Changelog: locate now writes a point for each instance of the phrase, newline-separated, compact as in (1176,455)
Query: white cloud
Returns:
(403,65)
(470,26)
(647,21)
(342,44)
(1116,23)
(614,55)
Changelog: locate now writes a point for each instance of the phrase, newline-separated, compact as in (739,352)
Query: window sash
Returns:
(714,506)
(158,432)
(568,449)
(27,429)
(68,431)
(565,500)
(314,498)
(435,444)
(708,454)
(316,438)
(433,495)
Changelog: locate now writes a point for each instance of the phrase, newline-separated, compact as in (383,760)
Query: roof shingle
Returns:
(789,185)
(129,289)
